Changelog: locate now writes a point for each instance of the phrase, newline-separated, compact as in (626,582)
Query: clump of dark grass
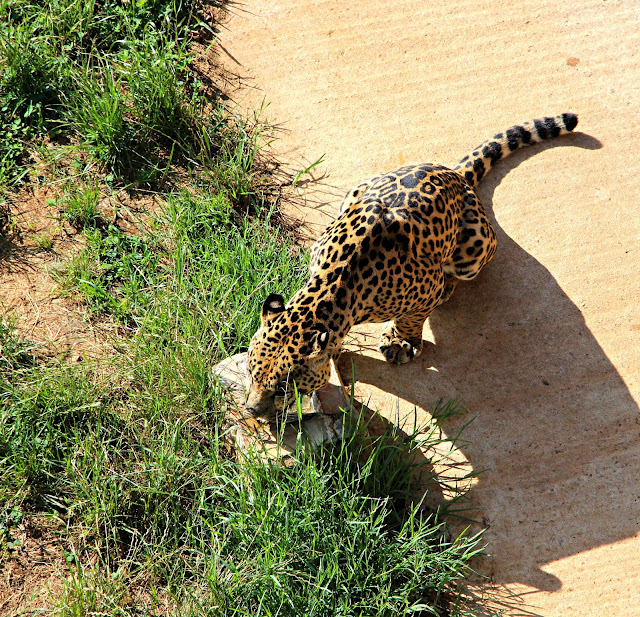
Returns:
(111,77)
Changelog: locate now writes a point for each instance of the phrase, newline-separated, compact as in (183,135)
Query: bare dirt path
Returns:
(544,347)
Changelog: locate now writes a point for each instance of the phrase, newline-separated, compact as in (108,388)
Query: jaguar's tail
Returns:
(487,154)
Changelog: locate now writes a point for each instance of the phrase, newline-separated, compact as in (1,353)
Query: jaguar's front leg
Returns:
(402,339)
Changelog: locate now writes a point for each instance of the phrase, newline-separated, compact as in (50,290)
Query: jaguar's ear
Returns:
(273,305)
(321,342)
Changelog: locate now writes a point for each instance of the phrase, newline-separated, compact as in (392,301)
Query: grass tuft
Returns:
(79,206)
(111,77)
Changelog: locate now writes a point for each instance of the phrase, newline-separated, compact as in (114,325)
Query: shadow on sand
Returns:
(555,426)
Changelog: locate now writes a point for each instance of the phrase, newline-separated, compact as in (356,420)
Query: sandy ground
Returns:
(543,348)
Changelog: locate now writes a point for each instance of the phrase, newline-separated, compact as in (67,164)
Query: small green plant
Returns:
(44,241)
(306,170)
(9,519)
(79,206)
(14,134)
(116,273)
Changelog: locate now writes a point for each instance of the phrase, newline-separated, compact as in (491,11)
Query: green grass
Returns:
(111,77)
(79,205)
(126,456)
(153,505)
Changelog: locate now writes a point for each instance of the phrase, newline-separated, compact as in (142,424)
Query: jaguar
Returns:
(401,243)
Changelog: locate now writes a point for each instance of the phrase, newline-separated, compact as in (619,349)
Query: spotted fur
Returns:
(397,250)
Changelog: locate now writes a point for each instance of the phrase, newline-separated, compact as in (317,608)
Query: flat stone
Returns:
(318,422)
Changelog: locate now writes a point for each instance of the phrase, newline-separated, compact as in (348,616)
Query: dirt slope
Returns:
(544,347)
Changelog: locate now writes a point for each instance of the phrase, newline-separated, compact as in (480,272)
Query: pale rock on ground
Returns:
(543,348)
(317,423)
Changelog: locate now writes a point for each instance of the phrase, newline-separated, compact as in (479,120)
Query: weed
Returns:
(95,110)
(44,242)
(306,170)
(14,133)
(115,273)
(9,519)
(79,206)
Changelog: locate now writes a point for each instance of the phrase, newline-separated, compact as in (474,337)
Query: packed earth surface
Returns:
(543,348)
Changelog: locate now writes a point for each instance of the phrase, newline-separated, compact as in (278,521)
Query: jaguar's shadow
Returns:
(555,426)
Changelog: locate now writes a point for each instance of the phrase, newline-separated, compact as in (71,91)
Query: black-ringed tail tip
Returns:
(475,165)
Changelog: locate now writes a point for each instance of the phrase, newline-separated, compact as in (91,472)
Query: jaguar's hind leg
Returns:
(475,244)
(450,283)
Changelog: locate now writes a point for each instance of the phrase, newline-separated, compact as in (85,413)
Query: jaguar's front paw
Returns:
(398,350)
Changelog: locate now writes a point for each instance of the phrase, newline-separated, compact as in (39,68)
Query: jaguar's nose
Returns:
(258,405)
(253,411)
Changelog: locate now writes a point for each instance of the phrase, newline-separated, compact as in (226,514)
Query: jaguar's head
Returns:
(289,348)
